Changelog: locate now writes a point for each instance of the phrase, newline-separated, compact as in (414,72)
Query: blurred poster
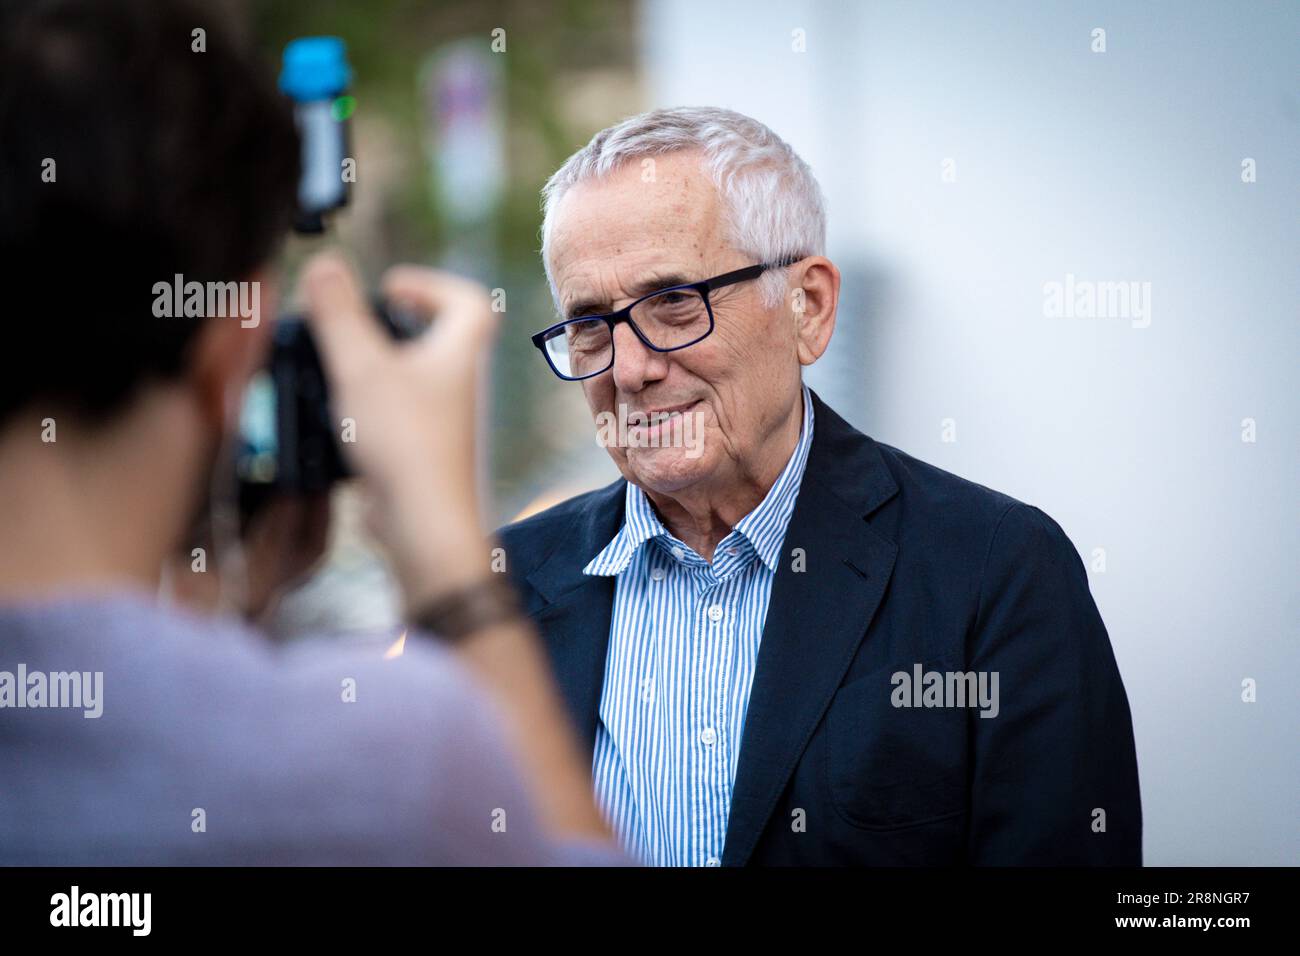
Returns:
(461,84)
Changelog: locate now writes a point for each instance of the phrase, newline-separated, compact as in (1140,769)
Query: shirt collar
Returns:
(764,527)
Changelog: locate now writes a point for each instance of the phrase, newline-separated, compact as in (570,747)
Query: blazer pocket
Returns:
(890,767)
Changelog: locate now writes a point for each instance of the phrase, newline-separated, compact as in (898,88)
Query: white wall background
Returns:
(1123,165)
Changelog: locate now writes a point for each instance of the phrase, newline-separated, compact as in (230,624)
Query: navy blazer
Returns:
(905,565)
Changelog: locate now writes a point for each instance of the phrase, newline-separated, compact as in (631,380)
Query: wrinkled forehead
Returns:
(651,216)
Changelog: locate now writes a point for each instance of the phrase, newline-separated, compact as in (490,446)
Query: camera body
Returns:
(289,441)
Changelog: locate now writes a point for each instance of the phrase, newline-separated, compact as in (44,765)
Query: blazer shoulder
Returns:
(978,546)
(944,501)
(929,486)
(530,541)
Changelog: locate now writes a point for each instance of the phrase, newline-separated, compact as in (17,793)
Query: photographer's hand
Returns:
(413,410)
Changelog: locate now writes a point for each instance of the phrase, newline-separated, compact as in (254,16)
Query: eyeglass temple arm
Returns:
(749,272)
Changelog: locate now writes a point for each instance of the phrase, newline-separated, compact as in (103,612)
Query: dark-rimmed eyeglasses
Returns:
(665,321)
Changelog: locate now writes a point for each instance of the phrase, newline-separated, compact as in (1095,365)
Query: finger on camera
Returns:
(348,334)
(459,307)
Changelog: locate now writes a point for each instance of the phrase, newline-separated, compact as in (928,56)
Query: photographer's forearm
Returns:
(423,476)
(508,658)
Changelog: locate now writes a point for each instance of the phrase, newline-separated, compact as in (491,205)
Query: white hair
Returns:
(773,204)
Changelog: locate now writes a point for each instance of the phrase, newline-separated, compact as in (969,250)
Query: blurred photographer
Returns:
(132,732)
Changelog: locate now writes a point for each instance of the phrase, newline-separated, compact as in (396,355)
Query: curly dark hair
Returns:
(126,157)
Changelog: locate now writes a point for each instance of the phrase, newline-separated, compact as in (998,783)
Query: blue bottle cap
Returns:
(315,68)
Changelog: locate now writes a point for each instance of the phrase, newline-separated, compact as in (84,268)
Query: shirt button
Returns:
(713,861)
(678,553)
(715,613)
(657,574)
(708,736)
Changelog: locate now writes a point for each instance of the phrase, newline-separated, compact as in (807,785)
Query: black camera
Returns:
(289,441)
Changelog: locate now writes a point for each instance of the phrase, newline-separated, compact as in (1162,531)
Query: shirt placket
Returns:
(713,648)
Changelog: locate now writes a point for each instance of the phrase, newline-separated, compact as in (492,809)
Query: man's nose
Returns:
(635,365)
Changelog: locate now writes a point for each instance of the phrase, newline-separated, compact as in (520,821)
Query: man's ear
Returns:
(814,297)
(229,349)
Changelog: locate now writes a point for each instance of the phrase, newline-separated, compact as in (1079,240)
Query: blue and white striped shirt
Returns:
(683,643)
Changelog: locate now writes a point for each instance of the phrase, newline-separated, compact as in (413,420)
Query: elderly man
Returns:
(783,642)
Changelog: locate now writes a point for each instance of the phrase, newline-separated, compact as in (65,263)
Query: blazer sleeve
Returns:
(1054,773)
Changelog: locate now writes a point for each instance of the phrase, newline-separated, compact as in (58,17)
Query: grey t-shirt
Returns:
(215,747)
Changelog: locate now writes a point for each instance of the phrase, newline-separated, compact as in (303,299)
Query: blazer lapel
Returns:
(816,617)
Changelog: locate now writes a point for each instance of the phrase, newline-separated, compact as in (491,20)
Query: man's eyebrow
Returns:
(651,282)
